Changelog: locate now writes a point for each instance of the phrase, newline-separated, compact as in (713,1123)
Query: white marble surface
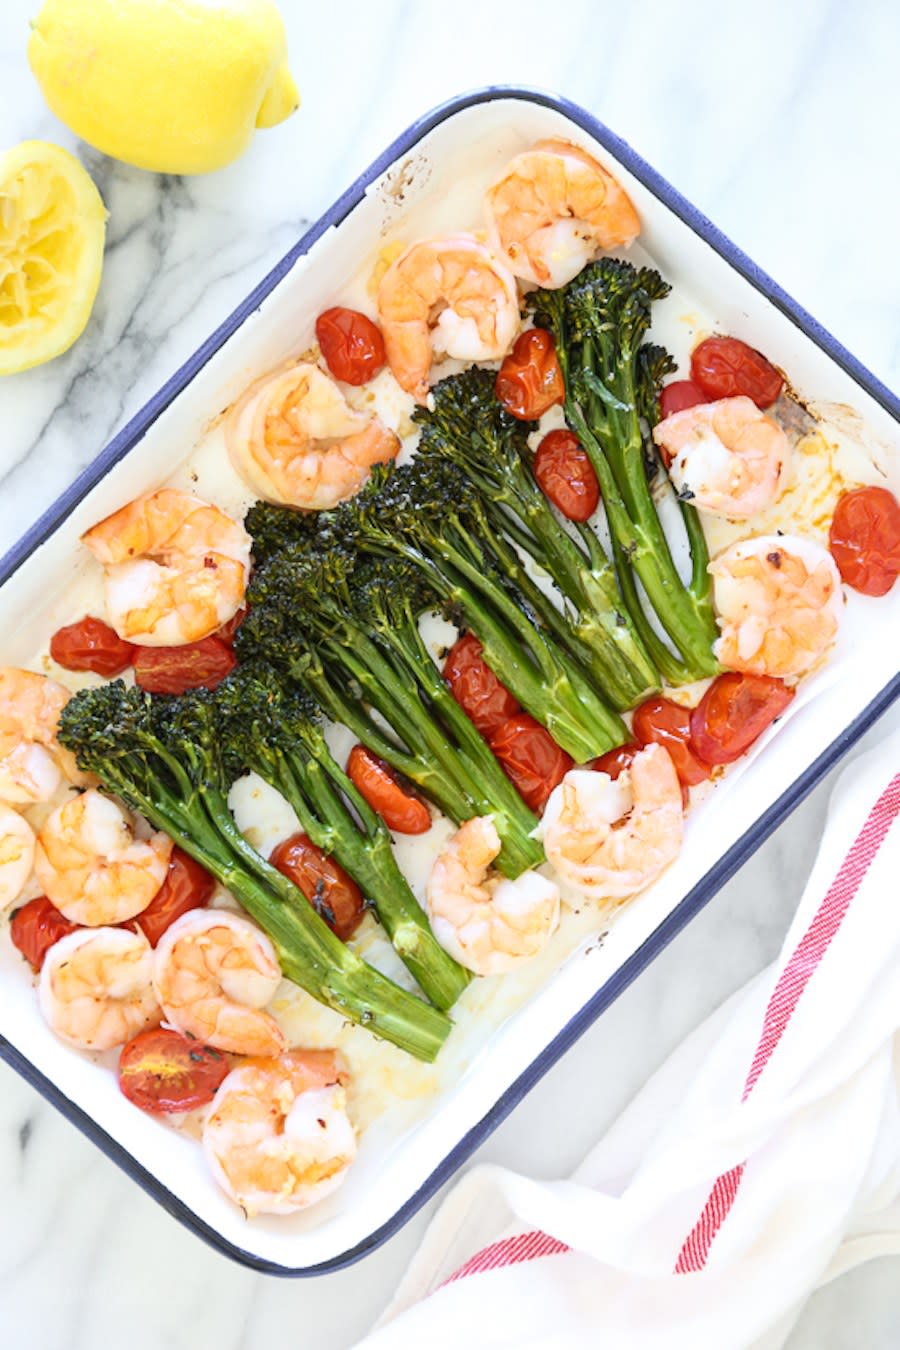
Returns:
(781,122)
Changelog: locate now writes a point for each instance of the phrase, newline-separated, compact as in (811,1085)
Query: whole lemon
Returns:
(176,86)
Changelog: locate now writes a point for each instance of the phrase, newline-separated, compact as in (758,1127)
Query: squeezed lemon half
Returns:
(52,230)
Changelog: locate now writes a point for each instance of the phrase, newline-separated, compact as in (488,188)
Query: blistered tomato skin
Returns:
(172,670)
(865,539)
(401,811)
(614,761)
(679,395)
(661,721)
(734,712)
(187,886)
(162,1071)
(530,758)
(36,927)
(566,476)
(529,380)
(486,702)
(90,644)
(725,367)
(334,895)
(351,344)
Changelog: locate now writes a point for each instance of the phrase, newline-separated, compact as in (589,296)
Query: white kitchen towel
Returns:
(759,1162)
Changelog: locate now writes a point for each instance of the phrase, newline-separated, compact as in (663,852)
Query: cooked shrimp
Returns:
(295,440)
(728,458)
(779,603)
(95,989)
(552,209)
(450,295)
(16,854)
(489,924)
(213,974)
(176,568)
(32,761)
(277,1136)
(611,838)
(91,866)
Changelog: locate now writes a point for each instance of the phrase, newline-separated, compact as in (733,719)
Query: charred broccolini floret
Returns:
(612,381)
(469,426)
(345,628)
(271,726)
(163,757)
(273,528)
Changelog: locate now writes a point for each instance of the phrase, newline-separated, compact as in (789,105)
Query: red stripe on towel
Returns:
(786,995)
(509,1252)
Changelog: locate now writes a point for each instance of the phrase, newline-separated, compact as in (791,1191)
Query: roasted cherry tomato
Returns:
(664,722)
(334,896)
(91,644)
(531,758)
(677,396)
(172,670)
(36,926)
(476,688)
(401,811)
(161,1070)
(530,381)
(351,344)
(227,631)
(735,710)
(187,886)
(725,367)
(865,539)
(566,475)
(614,761)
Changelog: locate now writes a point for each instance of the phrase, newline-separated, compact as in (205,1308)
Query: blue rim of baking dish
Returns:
(713,880)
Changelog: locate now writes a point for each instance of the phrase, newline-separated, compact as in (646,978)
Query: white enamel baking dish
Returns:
(425,180)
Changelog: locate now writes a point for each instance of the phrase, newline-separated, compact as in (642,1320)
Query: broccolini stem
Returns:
(468,428)
(375,677)
(375,673)
(610,380)
(371,864)
(492,792)
(468,781)
(432,778)
(600,621)
(644,545)
(672,669)
(340,979)
(700,584)
(585,637)
(556,693)
(308,952)
(551,689)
